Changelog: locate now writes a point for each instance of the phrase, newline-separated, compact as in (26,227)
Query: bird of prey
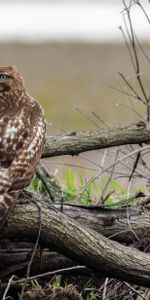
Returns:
(22,138)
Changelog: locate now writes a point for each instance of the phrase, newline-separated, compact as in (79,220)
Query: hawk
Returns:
(22,138)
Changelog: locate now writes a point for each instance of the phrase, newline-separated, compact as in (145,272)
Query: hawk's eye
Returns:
(3,76)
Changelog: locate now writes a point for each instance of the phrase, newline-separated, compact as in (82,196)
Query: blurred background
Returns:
(70,53)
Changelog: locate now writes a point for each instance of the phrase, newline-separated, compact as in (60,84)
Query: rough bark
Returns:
(63,234)
(14,257)
(76,142)
(124,225)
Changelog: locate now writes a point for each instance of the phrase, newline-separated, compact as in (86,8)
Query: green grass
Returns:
(74,190)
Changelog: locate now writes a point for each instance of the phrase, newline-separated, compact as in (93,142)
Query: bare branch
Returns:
(95,177)
(73,144)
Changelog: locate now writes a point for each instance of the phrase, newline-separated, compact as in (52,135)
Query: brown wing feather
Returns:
(23,137)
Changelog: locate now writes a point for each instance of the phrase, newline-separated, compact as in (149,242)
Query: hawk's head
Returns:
(10,79)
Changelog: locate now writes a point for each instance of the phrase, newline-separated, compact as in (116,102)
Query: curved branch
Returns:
(77,142)
(112,223)
(65,235)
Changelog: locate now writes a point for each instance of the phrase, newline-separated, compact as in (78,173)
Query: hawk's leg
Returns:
(7,203)
(5,217)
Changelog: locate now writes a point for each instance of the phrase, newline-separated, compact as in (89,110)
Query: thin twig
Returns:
(33,253)
(8,287)
(73,165)
(110,166)
(38,174)
(132,89)
(86,116)
(147,17)
(62,271)
(105,287)
(104,158)
(138,156)
(137,71)
(134,290)
(142,49)
(100,119)
(129,224)
(126,42)
(131,109)
(123,92)
(102,199)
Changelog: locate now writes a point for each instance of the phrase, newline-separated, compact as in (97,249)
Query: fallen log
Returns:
(61,233)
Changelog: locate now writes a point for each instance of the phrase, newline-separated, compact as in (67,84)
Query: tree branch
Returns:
(112,223)
(63,234)
(77,142)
